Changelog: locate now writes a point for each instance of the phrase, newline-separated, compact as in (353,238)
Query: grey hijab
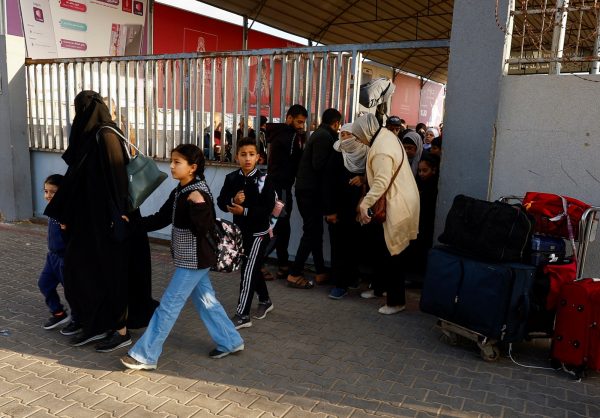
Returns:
(414,162)
(365,127)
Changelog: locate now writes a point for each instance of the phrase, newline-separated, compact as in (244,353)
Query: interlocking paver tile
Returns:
(123,379)
(299,362)
(140,412)
(78,411)
(40,369)
(9,374)
(177,409)
(334,410)
(91,383)
(212,390)
(24,395)
(85,397)
(304,403)
(242,399)
(34,382)
(16,409)
(65,376)
(267,406)
(6,386)
(53,404)
(42,413)
(118,392)
(209,404)
(234,410)
(300,413)
(149,386)
(181,396)
(114,407)
(150,402)
(535,408)
(482,408)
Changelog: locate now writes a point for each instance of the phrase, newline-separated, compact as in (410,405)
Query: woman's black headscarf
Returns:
(90,113)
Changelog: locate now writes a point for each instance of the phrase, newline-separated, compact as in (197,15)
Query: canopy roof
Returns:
(362,22)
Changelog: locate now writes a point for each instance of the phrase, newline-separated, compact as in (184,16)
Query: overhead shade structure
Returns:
(362,22)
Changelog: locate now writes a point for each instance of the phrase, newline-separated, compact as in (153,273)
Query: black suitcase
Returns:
(494,231)
(490,299)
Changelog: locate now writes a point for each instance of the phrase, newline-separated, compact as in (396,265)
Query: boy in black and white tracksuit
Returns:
(250,197)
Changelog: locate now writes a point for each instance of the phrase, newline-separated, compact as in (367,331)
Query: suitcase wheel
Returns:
(489,352)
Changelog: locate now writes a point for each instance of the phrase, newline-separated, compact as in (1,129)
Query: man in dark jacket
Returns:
(285,141)
(315,193)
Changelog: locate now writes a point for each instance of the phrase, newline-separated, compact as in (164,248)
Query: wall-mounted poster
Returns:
(82,28)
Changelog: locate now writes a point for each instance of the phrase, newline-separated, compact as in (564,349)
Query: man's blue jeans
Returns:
(186,282)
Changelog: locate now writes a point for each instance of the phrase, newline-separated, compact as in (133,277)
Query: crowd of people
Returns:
(98,244)
(338,174)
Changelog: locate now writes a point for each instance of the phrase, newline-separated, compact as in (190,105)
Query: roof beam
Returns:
(433,43)
(325,28)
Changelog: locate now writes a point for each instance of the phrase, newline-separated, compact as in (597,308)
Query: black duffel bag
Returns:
(494,231)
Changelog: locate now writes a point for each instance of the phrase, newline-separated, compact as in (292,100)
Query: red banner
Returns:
(177,31)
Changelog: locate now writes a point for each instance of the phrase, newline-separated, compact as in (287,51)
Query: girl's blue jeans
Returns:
(186,282)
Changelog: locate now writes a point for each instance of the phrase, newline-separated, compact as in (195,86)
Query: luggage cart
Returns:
(489,347)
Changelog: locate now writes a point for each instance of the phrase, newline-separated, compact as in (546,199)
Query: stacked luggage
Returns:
(503,274)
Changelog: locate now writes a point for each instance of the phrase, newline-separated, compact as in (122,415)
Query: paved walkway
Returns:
(311,357)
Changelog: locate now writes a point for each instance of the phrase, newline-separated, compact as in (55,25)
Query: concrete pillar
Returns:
(15,173)
(473,91)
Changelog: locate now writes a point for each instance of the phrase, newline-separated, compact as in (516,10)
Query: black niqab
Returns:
(107,278)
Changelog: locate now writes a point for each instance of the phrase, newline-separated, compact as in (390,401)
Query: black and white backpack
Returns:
(229,246)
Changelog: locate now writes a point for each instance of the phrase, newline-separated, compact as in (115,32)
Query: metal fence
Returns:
(553,37)
(208,99)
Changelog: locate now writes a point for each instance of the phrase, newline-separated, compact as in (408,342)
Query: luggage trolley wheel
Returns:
(449,337)
(488,351)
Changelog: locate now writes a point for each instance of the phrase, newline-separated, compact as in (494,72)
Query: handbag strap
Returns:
(396,173)
(120,135)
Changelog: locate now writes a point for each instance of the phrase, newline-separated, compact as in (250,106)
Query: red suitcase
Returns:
(576,340)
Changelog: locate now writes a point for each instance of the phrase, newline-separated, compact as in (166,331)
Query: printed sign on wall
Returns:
(82,28)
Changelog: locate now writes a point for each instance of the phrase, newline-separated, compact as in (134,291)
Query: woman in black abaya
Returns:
(107,266)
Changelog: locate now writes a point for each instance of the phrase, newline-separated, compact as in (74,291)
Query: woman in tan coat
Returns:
(402,221)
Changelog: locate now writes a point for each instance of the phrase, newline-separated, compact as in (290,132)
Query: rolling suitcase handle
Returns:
(586,228)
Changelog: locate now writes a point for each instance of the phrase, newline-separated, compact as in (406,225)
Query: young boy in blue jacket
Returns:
(52,274)
(250,197)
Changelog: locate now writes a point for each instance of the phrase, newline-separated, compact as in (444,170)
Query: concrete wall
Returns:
(547,140)
(473,90)
(547,137)
(15,191)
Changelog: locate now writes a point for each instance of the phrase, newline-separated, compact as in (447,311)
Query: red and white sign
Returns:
(82,28)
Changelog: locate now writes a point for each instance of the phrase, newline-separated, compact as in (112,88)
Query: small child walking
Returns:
(190,209)
(250,197)
(52,274)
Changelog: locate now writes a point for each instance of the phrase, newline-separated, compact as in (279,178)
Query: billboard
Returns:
(82,28)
